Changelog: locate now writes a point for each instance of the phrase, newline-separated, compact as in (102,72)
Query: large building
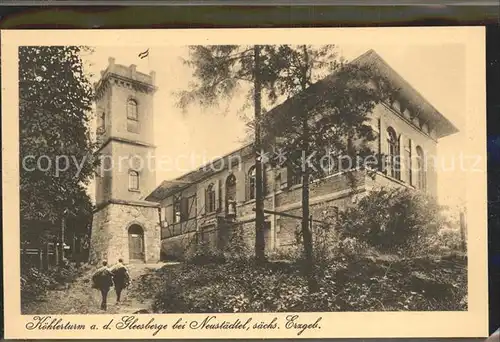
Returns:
(207,204)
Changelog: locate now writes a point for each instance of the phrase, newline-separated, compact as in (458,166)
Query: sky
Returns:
(437,71)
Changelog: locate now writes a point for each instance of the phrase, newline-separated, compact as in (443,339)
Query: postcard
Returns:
(244,183)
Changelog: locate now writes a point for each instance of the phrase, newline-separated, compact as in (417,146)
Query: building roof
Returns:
(170,187)
(419,105)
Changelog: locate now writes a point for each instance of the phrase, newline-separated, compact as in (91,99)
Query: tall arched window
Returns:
(133,180)
(230,191)
(220,196)
(408,161)
(132,116)
(421,177)
(132,113)
(251,182)
(393,157)
(210,199)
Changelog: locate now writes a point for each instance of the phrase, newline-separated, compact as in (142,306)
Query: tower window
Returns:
(101,124)
(133,180)
(103,120)
(132,113)
(132,116)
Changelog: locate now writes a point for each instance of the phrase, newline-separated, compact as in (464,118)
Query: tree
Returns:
(56,150)
(219,71)
(321,114)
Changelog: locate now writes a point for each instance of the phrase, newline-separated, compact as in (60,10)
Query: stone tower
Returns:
(124,224)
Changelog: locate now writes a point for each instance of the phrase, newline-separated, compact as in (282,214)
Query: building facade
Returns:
(206,204)
(124,224)
(137,222)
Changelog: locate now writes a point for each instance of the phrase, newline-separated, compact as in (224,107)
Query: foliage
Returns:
(395,220)
(328,107)
(204,254)
(286,253)
(220,71)
(234,247)
(448,239)
(348,283)
(55,113)
(36,283)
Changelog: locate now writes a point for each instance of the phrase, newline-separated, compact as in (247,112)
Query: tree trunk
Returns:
(61,244)
(463,239)
(259,200)
(306,220)
(306,231)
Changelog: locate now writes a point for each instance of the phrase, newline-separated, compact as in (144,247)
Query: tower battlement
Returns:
(125,75)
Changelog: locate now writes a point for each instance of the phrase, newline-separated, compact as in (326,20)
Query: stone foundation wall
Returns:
(177,247)
(281,234)
(336,191)
(110,226)
(100,237)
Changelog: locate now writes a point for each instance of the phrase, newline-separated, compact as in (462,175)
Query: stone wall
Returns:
(110,232)
(335,191)
(100,236)
(178,246)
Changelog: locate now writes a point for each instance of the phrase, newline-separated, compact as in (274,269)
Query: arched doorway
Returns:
(136,243)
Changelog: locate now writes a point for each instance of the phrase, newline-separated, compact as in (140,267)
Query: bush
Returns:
(205,254)
(347,283)
(232,247)
(64,275)
(233,287)
(449,239)
(236,248)
(36,283)
(176,252)
(394,221)
(286,253)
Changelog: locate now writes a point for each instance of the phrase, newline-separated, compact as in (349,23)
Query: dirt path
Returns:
(80,298)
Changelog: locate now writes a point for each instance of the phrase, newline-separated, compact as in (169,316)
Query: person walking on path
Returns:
(121,278)
(102,279)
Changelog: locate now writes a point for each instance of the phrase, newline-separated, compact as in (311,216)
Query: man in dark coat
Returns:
(102,280)
(121,278)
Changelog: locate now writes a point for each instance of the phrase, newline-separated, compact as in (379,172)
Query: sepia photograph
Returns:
(329,176)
